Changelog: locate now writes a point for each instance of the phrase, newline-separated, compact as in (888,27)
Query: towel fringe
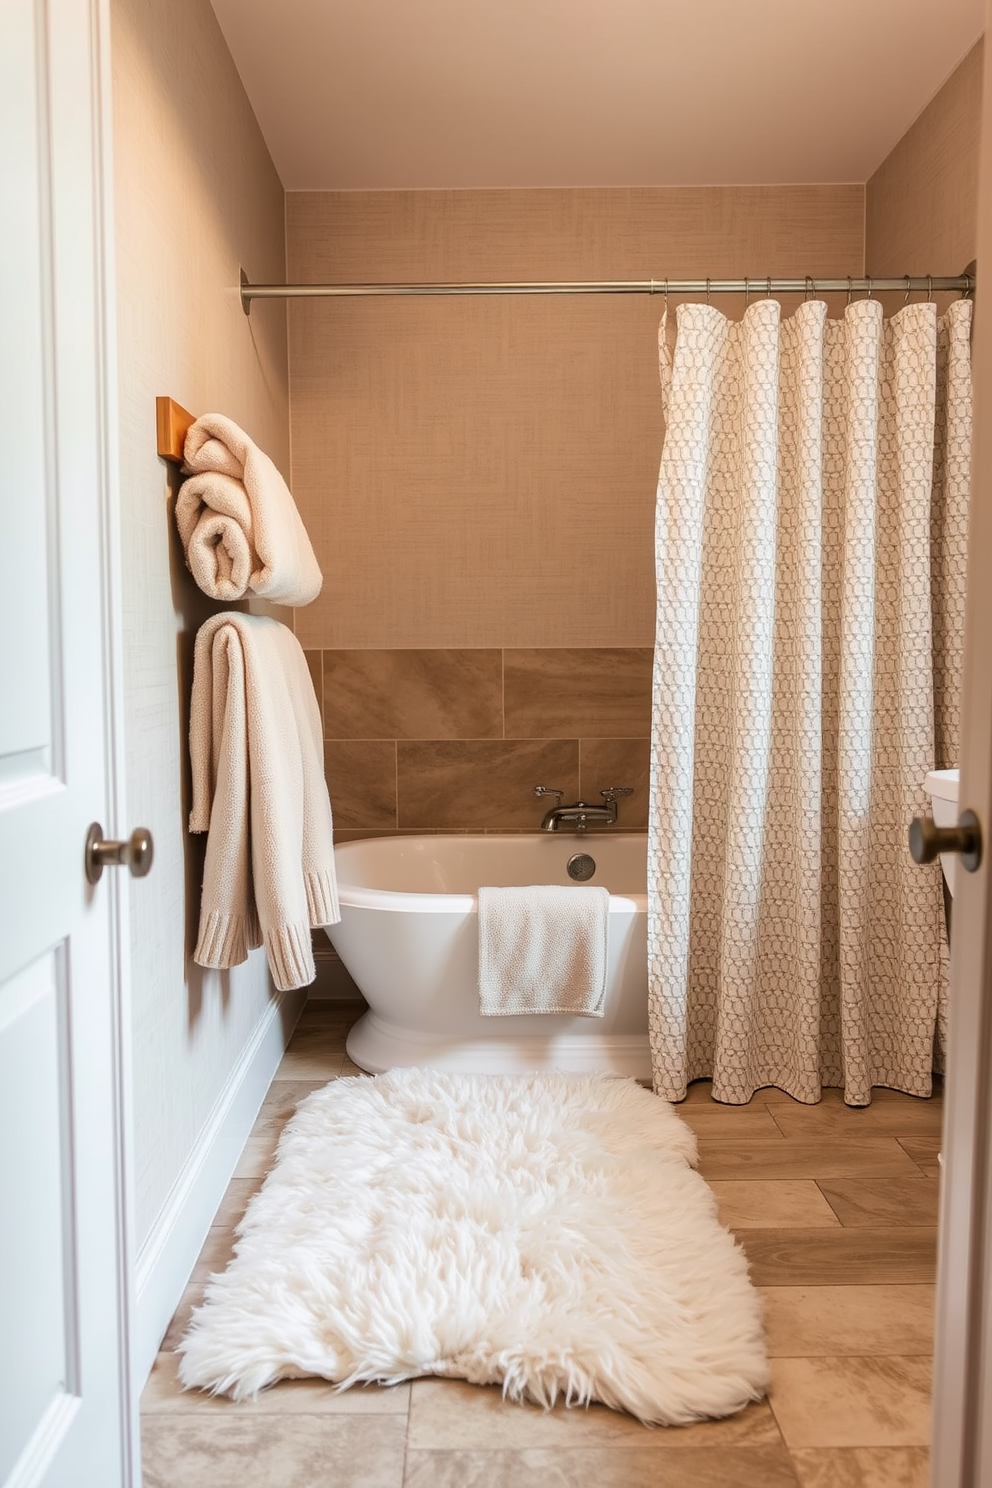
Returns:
(290,952)
(224,940)
(322,897)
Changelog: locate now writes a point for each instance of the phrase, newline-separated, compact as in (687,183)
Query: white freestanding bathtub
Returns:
(408,935)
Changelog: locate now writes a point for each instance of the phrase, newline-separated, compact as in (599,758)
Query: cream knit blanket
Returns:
(255,743)
(238,523)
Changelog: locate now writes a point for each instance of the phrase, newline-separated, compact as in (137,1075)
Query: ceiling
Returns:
(383,94)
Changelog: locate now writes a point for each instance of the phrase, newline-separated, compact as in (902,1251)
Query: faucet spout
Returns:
(581,815)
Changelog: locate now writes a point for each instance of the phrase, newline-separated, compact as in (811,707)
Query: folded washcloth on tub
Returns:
(238,523)
(542,949)
(258,788)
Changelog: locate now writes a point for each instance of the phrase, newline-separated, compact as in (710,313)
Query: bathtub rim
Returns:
(393,901)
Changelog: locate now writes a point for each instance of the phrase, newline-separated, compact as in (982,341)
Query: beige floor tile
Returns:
(728,1121)
(848,1299)
(923,1150)
(283,1096)
(875,1202)
(881,1157)
(235,1201)
(599,1467)
(192,1297)
(257,1156)
(864,1467)
(449,1415)
(316,1058)
(764,1203)
(213,1451)
(217,1251)
(163,1393)
(852,1402)
(910,1116)
(836,1320)
(839,1257)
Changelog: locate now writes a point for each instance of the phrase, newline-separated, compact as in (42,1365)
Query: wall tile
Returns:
(606,762)
(361,780)
(482,472)
(314,660)
(921,204)
(597,692)
(478,783)
(413,694)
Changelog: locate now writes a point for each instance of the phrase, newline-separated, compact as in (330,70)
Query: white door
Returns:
(64,1414)
(962,1451)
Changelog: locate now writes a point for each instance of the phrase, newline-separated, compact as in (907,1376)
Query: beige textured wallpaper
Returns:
(921,206)
(196,195)
(481,472)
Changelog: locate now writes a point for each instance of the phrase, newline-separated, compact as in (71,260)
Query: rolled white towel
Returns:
(238,522)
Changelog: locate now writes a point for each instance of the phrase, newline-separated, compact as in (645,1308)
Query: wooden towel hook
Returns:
(172,424)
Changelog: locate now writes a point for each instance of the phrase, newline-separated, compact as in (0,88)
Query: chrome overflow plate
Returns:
(581,866)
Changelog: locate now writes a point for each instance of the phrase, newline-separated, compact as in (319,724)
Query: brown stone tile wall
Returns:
(456,739)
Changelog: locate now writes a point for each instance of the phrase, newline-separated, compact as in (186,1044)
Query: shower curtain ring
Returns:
(810,288)
(868,296)
(666,296)
(909,285)
(929,288)
(850,289)
(707,291)
(768,286)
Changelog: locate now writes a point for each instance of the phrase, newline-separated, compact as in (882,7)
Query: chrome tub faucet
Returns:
(580,815)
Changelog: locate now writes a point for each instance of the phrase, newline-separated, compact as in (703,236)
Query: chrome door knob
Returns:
(927,841)
(135,854)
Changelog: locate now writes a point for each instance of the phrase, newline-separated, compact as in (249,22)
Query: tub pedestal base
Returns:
(376,1046)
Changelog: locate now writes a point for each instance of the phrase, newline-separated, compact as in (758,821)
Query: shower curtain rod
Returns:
(928,284)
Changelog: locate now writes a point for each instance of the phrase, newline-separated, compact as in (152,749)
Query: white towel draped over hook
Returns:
(258,786)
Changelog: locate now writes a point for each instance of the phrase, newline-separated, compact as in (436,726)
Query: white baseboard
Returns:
(169,1254)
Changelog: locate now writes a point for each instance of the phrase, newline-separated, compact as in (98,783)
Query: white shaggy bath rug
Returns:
(542,1232)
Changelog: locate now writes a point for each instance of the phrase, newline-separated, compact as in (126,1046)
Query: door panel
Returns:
(64,1412)
(962,1441)
(38,1372)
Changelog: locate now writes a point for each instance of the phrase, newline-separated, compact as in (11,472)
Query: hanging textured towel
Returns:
(238,522)
(258,790)
(542,949)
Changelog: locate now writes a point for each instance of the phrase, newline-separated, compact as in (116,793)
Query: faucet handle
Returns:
(544,790)
(611,793)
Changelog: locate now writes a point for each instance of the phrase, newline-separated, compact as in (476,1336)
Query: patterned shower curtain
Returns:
(810,541)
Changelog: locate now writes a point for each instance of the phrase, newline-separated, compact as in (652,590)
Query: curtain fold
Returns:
(810,533)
